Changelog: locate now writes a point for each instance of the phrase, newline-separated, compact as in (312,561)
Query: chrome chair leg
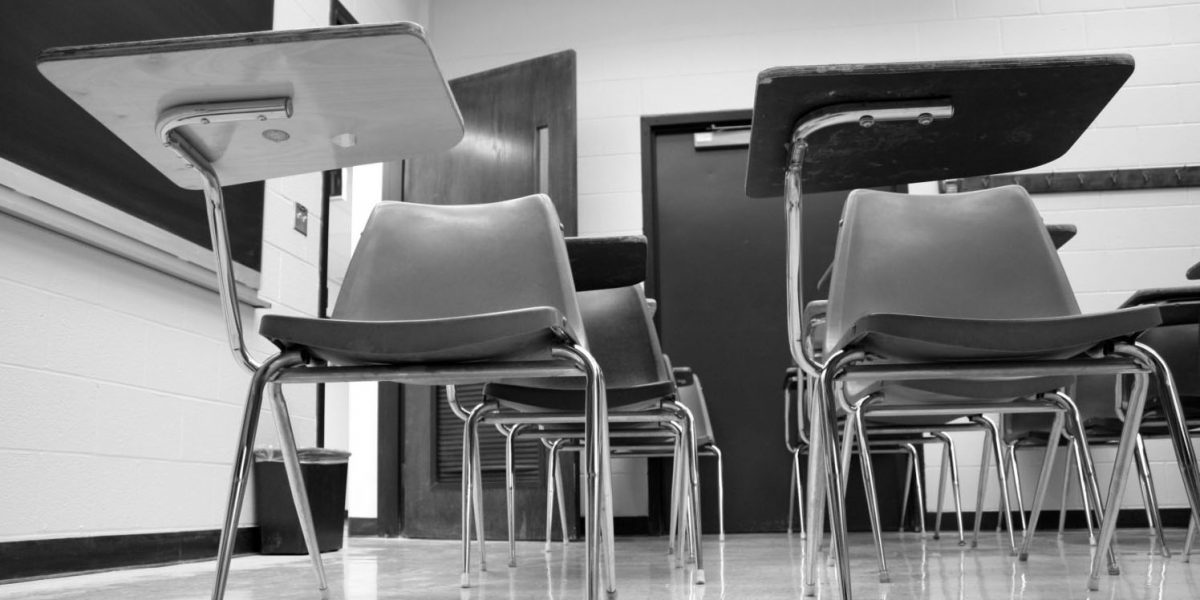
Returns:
(952,456)
(551,476)
(510,493)
(942,474)
(998,451)
(610,552)
(799,493)
(477,500)
(1116,490)
(1150,495)
(1191,536)
(1015,474)
(468,490)
(792,489)
(985,464)
(673,545)
(595,433)
(242,462)
(1066,488)
(827,422)
(693,473)
(720,490)
(1039,493)
(295,475)
(913,456)
(815,501)
(1092,485)
(868,476)
(1088,501)
(560,492)
(1185,453)
(908,473)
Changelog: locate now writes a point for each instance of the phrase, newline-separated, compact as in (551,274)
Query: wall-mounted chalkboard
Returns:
(42,130)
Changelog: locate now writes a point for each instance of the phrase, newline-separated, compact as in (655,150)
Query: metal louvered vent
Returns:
(527,454)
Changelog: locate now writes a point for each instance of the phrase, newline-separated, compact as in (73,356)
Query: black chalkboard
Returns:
(42,130)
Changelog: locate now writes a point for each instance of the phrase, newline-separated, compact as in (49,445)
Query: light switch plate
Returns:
(301,219)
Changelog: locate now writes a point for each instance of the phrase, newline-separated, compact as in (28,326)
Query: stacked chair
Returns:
(647,444)
(952,305)
(642,403)
(434,295)
(797,393)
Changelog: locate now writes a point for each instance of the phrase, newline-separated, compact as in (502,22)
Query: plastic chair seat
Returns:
(507,335)
(566,394)
(926,338)
(1162,295)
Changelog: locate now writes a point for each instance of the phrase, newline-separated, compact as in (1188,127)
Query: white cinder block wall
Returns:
(638,57)
(120,397)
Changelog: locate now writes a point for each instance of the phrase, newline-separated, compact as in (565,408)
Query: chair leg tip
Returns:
(885,578)
(974,544)
(1114,571)
(512,564)
(464,581)
(721,538)
(699,576)
(937,537)
(1023,557)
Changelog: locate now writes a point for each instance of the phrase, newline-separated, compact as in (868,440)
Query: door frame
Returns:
(658,496)
(393,398)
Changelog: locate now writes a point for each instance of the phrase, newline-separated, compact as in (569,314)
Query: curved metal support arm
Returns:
(865,115)
(168,131)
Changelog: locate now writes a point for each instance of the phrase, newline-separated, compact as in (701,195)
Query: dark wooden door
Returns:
(520,140)
(718,271)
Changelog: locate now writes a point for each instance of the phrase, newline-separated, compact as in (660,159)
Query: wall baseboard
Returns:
(1048,521)
(62,556)
(363,527)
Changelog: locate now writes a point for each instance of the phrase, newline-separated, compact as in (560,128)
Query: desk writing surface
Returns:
(378,83)
(1009,114)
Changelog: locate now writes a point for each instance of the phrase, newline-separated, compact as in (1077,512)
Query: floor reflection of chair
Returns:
(433,294)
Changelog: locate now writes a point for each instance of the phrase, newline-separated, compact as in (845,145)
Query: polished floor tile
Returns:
(745,566)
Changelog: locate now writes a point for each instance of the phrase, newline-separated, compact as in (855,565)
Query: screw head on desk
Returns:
(276,135)
(924,119)
(866,120)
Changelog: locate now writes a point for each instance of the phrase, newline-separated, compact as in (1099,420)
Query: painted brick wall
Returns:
(120,396)
(639,58)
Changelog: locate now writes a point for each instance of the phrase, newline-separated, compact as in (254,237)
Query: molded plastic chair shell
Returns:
(971,276)
(412,292)
(623,340)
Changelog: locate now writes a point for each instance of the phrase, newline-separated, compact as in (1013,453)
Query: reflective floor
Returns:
(745,566)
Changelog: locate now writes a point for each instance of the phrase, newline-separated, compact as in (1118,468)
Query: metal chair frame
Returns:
(949,465)
(842,366)
(571,359)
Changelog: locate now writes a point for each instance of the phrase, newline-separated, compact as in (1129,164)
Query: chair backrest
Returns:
(421,261)
(983,254)
(622,337)
(691,395)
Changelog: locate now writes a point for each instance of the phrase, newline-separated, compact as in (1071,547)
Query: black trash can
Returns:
(325,479)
